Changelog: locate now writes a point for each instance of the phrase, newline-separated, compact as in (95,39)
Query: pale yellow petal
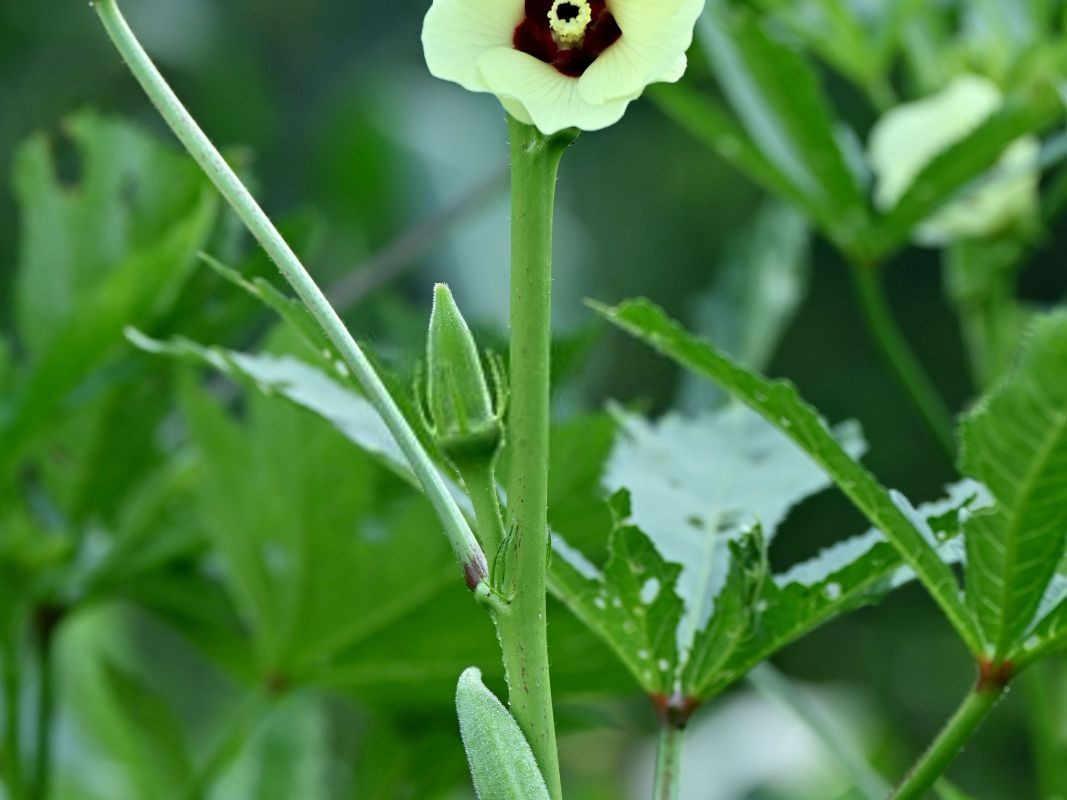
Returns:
(456,33)
(654,37)
(910,136)
(551,100)
(1007,195)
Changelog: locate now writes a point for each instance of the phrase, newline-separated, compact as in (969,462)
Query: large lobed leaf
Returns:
(113,249)
(640,607)
(698,484)
(779,403)
(1015,442)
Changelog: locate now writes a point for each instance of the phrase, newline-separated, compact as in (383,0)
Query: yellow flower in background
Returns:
(560,63)
(912,135)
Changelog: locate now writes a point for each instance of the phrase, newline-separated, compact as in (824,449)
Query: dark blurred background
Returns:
(330,106)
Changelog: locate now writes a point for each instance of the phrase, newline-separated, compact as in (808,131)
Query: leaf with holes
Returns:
(632,604)
(852,573)
(780,404)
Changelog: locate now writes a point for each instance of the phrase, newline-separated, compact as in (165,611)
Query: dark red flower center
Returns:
(534,35)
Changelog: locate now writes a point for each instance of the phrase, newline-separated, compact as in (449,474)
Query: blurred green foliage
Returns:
(262,609)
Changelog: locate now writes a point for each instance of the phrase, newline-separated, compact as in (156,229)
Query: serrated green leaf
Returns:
(734,614)
(775,93)
(632,604)
(502,764)
(845,576)
(311,530)
(779,403)
(1015,441)
(292,311)
(696,484)
(130,192)
(298,382)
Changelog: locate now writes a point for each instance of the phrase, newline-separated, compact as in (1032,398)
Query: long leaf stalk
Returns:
(899,356)
(523,631)
(957,731)
(259,225)
(668,777)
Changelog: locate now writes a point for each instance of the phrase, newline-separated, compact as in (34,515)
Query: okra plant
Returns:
(644,545)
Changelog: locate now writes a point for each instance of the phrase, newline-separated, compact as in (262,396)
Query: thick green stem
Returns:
(259,225)
(523,632)
(668,779)
(974,709)
(900,358)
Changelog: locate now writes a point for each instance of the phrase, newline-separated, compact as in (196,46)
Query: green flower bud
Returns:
(464,415)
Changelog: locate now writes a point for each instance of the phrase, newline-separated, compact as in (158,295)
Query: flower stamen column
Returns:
(523,632)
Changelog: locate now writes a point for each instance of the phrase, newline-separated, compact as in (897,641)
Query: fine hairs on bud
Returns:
(462,413)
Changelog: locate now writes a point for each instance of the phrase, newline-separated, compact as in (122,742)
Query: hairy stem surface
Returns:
(523,633)
(668,778)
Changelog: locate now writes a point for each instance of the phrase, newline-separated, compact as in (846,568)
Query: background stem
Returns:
(523,632)
(259,225)
(668,762)
(45,650)
(898,355)
(975,707)
(776,687)
(1044,688)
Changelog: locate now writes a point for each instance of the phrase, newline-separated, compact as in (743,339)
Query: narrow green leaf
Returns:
(777,96)
(696,484)
(145,732)
(852,573)
(300,383)
(289,309)
(736,610)
(502,764)
(779,403)
(708,121)
(857,43)
(1015,441)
